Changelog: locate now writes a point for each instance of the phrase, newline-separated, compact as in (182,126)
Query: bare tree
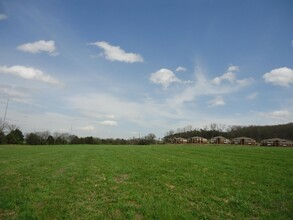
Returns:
(205,128)
(213,126)
(187,128)
(150,136)
(3,125)
(12,127)
(43,134)
(179,130)
(66,136)
(169,133)
(221,127)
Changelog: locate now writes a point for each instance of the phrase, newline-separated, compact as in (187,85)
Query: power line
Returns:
(6,110)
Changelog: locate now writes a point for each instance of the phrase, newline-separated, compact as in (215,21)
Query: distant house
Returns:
(277,142)
(198,140)
(220,140)
(179,140)
(244,141)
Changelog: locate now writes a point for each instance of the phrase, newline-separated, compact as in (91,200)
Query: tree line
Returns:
(257,132)
(11,134)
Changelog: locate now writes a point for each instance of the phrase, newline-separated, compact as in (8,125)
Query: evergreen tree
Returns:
(15,137)
(50,140)
(2,138)
(33,139)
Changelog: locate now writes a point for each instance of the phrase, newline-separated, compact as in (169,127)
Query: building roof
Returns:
(276,139)
(180,138)
(221,137)
(247,138)
(198,137)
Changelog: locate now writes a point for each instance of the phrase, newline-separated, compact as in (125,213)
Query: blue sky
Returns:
(128,68)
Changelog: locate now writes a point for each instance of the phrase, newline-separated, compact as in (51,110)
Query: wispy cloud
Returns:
(18,94)
(3,17)
(229,76)
(233,68)
(281,77)
(29,73)
(252,96)
(217,101)
(12,92)
(109,123)
(159,114)
(115,53)
(282,115)
(145,112)
(203,86)
(164,77)
(39,46)
(87,128)
(180,69)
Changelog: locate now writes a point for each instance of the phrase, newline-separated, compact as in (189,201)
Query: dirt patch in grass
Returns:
(121,178)
(138,216)
(134,203)
(4,214)
(170,186)
(117,214)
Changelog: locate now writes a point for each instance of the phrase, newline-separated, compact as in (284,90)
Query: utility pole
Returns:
(6,111)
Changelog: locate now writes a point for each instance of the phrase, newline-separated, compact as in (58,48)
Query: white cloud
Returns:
(281,77)
(244,82)
(164,77)
(39,46)
(180,69)
(3,17)
(109,123)
(203,86)
(93,113)
(29,73)
(217,101)
(13,92)
(252,96)
(87,128)
(115,53)
(145,113)
(229,76)
(278,115)
(108,116)
(292,43)
(18,94)
(233,68)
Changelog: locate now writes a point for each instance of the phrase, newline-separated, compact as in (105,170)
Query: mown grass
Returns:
(146,182)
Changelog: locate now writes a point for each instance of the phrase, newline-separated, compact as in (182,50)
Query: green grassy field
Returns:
(146,182)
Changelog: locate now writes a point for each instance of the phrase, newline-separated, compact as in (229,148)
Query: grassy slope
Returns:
(149,182)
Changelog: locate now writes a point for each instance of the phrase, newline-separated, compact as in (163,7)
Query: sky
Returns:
(127,68)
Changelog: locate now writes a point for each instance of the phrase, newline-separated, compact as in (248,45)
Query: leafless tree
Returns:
(3,125)
(187,128)
(12,127)
(221,127)
(213,126)
(43,134)
(169,133)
